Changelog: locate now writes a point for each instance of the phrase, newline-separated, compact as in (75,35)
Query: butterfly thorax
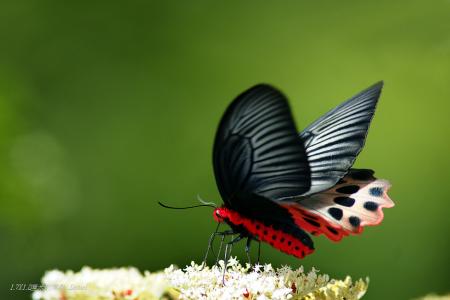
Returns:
(269,233)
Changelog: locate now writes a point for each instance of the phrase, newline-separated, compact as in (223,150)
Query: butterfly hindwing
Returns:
(356,201)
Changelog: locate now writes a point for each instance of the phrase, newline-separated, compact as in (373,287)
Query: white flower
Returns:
(198,282)
(257,267)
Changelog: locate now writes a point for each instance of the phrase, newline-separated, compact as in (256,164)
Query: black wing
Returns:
(334,140)
(257,149)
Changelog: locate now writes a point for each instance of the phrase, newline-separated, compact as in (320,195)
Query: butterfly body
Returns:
(289,241)
(277,184)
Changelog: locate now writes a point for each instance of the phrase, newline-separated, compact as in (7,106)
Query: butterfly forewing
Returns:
(334,140)
(257,149)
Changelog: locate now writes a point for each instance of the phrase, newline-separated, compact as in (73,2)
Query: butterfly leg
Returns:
(247,249)
(220,249)
(210,242)
(225,262)
(223,234)
(259,251)
(235,240)
(229,246)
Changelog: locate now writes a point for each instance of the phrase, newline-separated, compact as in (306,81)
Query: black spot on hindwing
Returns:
(312,222)
(354,221)
(348,189)
(376,191)
(344,201)
(332,230)
(361,174)
(335,212)
(370,205)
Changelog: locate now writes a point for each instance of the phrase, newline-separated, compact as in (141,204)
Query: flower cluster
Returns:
(93,284)
(259,282)
(198,282)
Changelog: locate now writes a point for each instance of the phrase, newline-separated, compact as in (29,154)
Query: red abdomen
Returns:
(277,238)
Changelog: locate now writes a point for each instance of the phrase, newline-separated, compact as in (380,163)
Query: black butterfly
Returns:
(277,184)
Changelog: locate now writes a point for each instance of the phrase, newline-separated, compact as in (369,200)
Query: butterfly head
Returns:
(221,214)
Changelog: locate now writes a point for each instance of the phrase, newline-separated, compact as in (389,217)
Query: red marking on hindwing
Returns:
(277,238)
(316,225)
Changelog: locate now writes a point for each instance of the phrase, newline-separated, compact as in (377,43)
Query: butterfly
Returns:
(279,185)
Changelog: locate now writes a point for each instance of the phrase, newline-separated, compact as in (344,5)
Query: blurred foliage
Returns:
(107,107)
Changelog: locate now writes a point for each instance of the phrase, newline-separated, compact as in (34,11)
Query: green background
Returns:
(108,107)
